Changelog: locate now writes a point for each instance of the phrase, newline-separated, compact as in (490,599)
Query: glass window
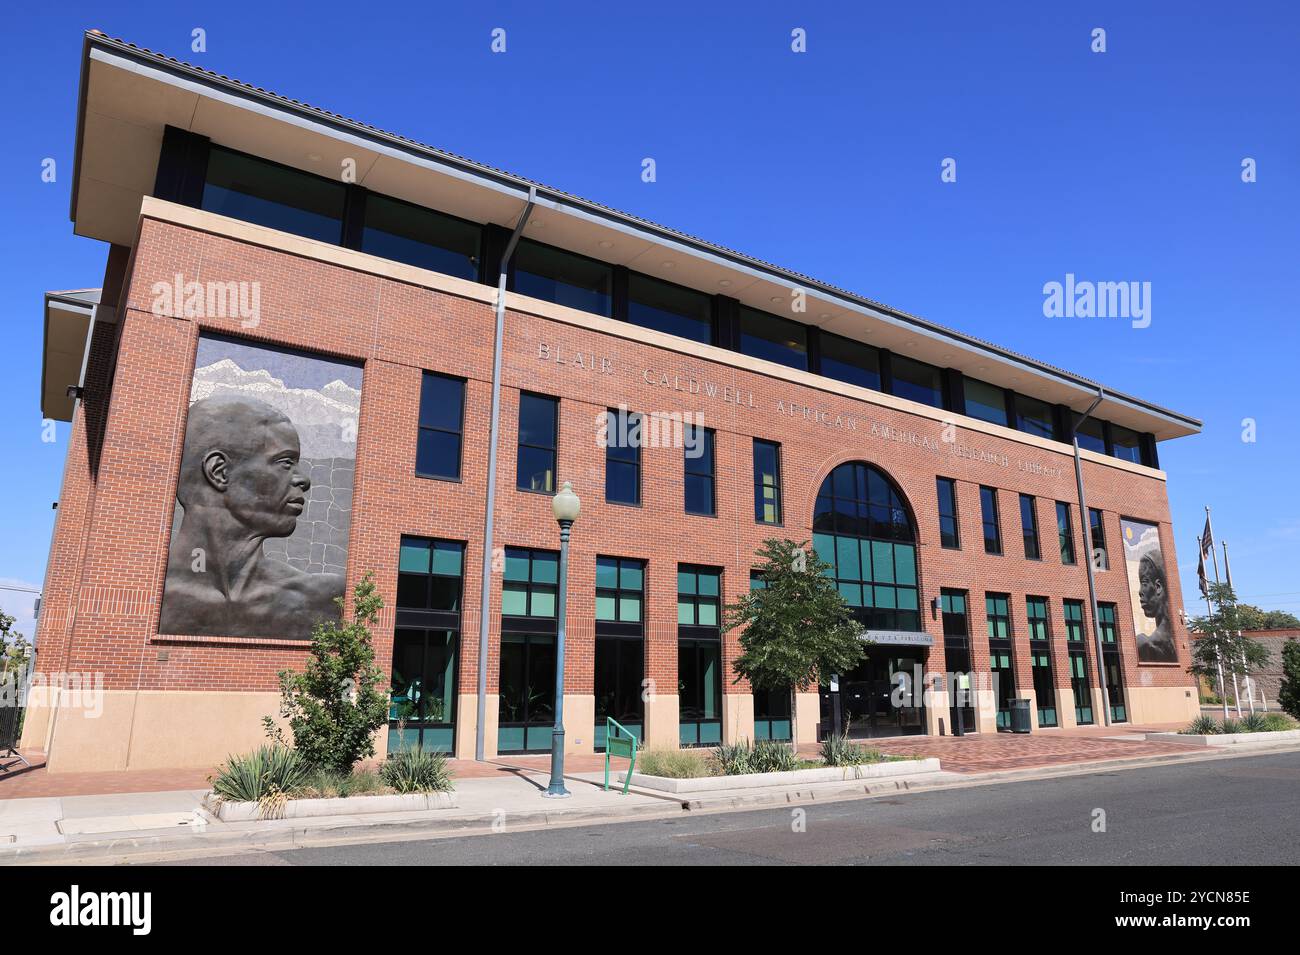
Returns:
(1065,532)
(422,701)
(442,418)
(553,275)
(775,339)
(268,194)
(669,308)
(847,360)
(620,586)
(1097,529)
(989,519)
(526,704)
(619,675)
(1126,444)
(1036,618)
(984,401)
(1073,610)
(767,482)
(1044,687)
(1029,527)
(949,532)
(1106,623)
(429,574)
(998,611)
(529,582)
(1080,687)
(417,236)
(699,691)
(916,380)
(538,416)
(622,457)
(699,480)
(862,529)
(698,596)
(1034,416)
(1092,436)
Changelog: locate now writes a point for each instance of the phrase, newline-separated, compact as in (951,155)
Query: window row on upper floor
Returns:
(257,190)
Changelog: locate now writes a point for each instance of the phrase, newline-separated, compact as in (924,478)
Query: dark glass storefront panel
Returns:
(526,701)
(278,197)
(1081,688)
(699,691)
(1005,682)
(1044,687)
(868,703)
(1115,688)
(422,703)
(619,672)
(669,308)
(772,715)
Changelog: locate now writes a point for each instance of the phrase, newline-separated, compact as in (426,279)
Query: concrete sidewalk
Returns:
(156,826)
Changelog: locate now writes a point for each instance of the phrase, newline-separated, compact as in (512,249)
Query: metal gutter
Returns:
(489,517)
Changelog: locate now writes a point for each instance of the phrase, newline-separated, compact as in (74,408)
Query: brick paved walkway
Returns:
(968,754)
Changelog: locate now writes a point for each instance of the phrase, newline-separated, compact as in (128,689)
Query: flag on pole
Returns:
(1207,548)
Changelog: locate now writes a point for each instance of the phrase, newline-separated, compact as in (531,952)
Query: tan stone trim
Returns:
(241,231)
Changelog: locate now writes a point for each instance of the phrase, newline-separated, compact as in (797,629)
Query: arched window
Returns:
(862,528)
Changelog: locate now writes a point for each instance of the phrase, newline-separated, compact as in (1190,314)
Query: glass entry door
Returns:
(880,697)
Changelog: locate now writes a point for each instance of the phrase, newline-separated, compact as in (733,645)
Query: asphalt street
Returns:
(1239,811)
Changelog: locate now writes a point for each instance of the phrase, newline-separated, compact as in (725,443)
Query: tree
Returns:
(335,706)
(1221,648)
(1280,620)
(14,648)
(798,629)
(1289,692)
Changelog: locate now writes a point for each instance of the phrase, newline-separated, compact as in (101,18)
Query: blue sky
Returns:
(1124,165)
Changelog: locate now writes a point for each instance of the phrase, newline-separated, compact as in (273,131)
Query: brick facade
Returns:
(108,558)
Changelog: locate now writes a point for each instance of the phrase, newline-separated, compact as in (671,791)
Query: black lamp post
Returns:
(566,507)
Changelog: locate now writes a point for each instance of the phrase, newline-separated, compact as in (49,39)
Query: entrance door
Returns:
(880,697)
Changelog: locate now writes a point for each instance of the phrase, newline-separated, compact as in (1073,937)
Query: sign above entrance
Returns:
(903,638)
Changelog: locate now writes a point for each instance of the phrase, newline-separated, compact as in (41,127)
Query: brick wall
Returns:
(109,554)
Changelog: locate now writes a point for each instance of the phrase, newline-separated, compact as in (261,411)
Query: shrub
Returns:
(415,771)
(1277,723)
(839,751)
(333,784)
(268,775)
(1202,726)
(335,706)
(1230,726)
(672,764)
(765,756)
(1288,696)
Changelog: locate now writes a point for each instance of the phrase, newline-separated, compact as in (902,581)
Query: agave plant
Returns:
(1202,726)
(734,759)
(1254,723)
(771,756)
(415,771)
(838,750)
(1230,726)
(269,775)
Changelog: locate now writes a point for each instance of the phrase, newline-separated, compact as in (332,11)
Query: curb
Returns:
(293,834)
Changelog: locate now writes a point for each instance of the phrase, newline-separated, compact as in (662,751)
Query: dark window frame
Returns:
(760,488)
(695,468)
(1029,527)
(553,449)
(990,521)
(611,454)
(1065,534)
(459,433)
(948,539)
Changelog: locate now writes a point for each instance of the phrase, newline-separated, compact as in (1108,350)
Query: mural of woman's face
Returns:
(1151,593)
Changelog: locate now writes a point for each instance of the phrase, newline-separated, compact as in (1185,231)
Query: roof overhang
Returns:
(69,317)
(128,96)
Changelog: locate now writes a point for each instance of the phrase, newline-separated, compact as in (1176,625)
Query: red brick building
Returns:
(258,247)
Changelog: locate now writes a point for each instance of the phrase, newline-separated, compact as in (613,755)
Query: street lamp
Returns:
(566,507)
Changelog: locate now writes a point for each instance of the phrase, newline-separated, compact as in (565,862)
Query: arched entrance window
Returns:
(862,528)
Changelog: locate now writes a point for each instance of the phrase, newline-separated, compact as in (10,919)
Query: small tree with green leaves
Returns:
(335,706)
(1288,694)
(14,648)
(1220,646)
(798,629)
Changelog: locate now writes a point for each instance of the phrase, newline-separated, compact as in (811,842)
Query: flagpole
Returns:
(1218,657)
(1236,692)
(1245,664)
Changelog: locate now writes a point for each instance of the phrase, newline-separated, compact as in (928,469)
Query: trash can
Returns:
(1020,716)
